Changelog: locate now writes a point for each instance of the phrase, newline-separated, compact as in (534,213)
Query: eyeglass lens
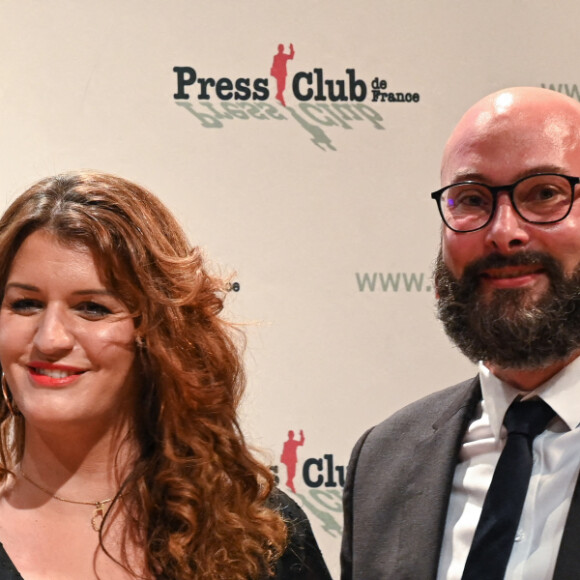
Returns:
(538,198)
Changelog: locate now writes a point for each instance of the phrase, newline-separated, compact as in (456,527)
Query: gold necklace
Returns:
(98,512)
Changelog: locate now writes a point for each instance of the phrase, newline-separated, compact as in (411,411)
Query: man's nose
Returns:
(53,334)
(507,230)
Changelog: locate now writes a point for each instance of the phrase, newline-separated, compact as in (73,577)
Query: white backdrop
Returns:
(91,85)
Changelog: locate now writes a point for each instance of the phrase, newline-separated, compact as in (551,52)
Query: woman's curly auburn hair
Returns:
(196,496)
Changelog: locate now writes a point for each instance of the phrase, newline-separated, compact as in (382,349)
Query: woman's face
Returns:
(66,342)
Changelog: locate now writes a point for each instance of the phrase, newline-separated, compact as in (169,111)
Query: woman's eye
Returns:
(93,310)
(25,306)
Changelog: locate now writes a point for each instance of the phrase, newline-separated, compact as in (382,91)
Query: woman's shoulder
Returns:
(302,559)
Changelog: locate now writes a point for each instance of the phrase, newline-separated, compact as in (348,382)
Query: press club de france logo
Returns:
(319,102)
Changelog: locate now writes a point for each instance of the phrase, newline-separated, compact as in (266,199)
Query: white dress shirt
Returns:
(556,454)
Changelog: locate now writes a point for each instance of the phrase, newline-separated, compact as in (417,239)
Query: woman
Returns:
(120,451)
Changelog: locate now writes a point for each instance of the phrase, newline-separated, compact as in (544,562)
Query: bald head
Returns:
(506,123)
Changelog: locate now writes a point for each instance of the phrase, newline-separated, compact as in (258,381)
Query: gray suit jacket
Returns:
(398,486)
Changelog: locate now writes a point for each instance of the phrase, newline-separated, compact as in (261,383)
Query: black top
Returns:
(302,559)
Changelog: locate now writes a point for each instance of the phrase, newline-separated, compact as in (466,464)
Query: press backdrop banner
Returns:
(298,143)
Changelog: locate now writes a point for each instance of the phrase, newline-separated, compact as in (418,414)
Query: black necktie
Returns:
(494,536)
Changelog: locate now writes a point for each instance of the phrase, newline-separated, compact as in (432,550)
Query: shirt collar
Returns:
(561,392)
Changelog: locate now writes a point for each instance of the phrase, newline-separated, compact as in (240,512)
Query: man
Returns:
(508,287)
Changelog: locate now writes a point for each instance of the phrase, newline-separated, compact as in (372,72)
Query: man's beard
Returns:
(508,327)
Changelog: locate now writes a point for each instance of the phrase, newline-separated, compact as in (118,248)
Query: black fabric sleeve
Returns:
(302,559)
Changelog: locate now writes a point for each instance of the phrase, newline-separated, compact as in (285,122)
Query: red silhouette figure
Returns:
(289,456)
(279,71)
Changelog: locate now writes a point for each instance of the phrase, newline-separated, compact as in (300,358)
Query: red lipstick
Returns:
(53,375)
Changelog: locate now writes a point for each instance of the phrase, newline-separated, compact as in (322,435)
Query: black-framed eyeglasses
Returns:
(542,198)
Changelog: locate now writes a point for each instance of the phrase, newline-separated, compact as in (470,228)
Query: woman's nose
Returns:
(53,334)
